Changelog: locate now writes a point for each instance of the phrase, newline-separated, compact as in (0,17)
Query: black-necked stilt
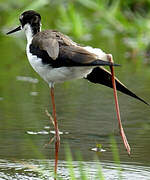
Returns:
(56,58)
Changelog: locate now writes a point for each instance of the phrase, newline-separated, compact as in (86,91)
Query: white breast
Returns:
(54,75)
(98,52)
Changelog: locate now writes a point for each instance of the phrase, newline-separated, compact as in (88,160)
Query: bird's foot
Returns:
(50,116)
(52,121)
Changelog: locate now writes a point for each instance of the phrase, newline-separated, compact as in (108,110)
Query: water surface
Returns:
(85,112)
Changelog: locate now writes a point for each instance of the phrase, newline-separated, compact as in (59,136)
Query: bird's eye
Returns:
(20,18)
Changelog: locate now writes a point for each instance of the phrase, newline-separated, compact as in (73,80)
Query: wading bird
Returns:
(56,58)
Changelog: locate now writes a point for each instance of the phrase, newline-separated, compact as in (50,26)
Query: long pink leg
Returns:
(125,141)
(57,141)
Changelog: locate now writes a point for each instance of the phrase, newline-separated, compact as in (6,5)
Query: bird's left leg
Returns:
(125,141)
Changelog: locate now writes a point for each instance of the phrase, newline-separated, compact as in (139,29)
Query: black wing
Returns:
(78,56)
(102,76)
(58,50)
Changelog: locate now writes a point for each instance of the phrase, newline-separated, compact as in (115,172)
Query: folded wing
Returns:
(58,50)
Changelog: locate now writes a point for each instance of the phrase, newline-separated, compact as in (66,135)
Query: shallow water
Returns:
(86,117)
(42,169)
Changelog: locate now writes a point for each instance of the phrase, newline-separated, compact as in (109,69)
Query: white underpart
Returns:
(52,75)
(98,52)
(55,75)
(28,32)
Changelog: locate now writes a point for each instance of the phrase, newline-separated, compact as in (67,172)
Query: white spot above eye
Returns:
(21,17)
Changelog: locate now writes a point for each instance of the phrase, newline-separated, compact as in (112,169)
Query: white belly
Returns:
(54,75)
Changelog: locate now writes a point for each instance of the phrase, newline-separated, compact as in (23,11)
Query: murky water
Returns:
(86,117)
(42,169)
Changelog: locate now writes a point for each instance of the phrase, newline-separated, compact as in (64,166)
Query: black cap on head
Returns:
(31,17)
(28,17)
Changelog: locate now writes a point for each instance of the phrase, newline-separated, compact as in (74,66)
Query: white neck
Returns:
(28,32)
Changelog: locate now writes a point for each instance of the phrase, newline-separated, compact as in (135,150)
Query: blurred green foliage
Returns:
(107,24)
(85,20)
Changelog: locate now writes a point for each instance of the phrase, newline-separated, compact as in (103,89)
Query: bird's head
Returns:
(29,20)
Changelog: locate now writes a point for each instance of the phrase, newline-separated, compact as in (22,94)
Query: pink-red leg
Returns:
(57,140)
(125,141)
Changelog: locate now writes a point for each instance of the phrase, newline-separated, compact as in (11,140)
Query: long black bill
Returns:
(14,30)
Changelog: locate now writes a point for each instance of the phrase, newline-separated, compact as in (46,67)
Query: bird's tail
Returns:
(102,76)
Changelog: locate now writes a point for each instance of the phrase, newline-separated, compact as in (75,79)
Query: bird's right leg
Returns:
(57,140)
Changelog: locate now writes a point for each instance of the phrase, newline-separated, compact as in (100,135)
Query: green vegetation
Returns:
(85,20)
